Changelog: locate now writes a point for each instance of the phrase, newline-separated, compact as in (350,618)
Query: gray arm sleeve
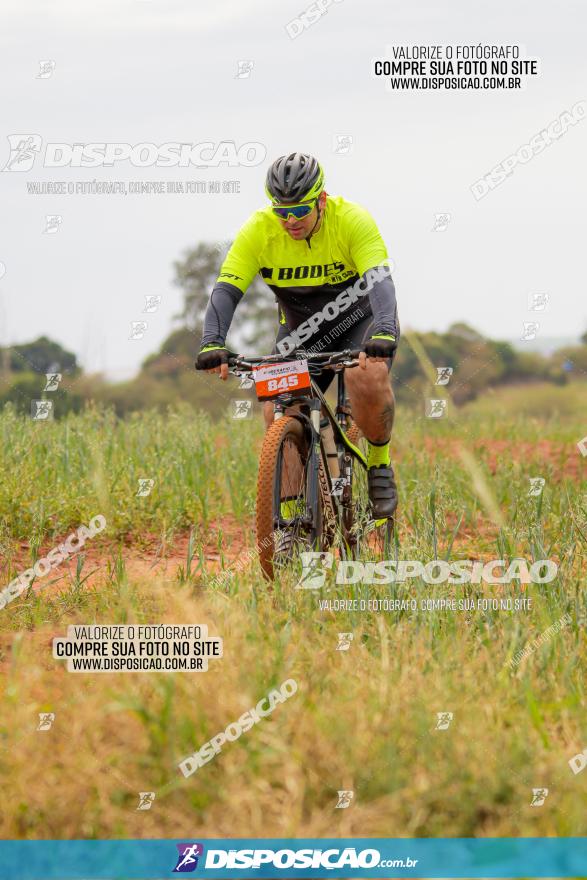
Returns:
(384,307)
(221,308)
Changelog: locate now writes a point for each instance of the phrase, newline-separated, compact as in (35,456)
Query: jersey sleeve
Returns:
(364,242)
(242,261)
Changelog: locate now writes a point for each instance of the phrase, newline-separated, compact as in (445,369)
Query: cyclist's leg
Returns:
(373,408)
(369,390)
(372,400)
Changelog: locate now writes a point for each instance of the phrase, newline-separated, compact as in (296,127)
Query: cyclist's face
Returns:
(300,229)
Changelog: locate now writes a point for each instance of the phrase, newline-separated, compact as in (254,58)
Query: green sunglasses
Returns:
(297,211)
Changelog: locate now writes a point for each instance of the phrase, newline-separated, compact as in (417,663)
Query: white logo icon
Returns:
(443,720)
(314,568)
(441,222)
(46,719)
(536,486)
(145,487)
(46,69)
(344,641)
(444,374)
(41,410)
(189,856)
(530,330)
(343,144)
(53,380)
(582,446)
(539,795)
(436,409)
(23,151)
(242,409)
(338,484)
(52,223)
(344,799)
(537,302)
(244,69)
(152,303)
(137,329)
(146,799)
(245,381)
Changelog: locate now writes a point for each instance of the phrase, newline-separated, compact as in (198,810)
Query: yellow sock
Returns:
(378,454)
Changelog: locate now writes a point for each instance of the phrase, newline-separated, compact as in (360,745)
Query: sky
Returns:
(160,71)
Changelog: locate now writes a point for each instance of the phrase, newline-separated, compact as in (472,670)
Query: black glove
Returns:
(382,346)
(211,356)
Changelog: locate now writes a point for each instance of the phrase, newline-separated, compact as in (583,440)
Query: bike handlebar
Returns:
(325,359)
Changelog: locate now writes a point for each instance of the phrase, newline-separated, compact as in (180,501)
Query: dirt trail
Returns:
(562,457)
(147,555)
(143,558)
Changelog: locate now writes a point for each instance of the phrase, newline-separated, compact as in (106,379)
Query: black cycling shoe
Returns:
(382,491)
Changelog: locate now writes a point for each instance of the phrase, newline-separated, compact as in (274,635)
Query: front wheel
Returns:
(286,524)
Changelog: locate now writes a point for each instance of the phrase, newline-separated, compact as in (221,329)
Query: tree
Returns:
(256,319)
(28,387)
(176,354)
(478,364)
(196,274)
(464,331)
(42,356)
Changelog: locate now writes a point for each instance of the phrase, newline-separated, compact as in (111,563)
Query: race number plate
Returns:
(290,377)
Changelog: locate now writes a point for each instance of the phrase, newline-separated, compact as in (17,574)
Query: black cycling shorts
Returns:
(331,337)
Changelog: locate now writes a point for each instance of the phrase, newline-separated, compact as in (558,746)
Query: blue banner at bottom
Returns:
(303,858)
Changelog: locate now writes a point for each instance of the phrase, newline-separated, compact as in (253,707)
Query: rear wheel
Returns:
(283,527)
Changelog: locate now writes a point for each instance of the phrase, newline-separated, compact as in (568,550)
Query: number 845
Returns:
(282,384)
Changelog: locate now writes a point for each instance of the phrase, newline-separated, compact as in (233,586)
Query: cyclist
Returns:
(309,247)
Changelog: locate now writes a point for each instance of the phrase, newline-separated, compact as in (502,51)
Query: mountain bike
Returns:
(312,490)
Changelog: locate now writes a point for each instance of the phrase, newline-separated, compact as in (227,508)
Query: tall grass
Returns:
(364,719)
(57,475)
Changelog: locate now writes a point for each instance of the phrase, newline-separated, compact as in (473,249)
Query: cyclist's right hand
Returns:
(213,359)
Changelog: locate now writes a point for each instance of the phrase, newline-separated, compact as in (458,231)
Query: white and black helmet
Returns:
(294,178)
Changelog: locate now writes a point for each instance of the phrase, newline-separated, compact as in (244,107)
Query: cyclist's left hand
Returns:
(213,359)
(380,346)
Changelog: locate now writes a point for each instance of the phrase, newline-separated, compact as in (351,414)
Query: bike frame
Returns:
(338,420)
(315,402)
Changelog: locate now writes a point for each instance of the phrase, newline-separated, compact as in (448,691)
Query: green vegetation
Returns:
(364,719)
